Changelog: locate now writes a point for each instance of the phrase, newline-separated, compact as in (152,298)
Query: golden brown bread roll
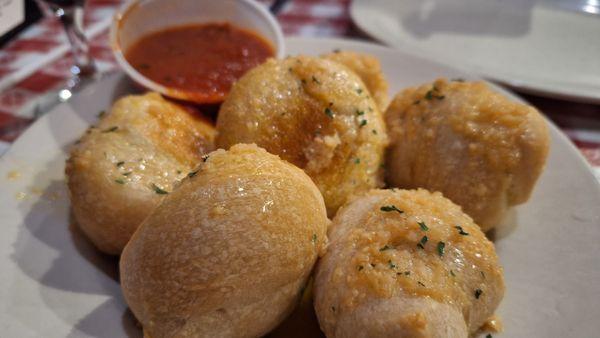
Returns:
(119,169)
(228,252)
(314,113)
(406,263)
(481,150)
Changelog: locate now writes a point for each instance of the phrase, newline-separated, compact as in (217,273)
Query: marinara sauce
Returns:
(201,60)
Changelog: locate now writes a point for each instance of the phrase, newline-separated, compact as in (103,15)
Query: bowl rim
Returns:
(278,45)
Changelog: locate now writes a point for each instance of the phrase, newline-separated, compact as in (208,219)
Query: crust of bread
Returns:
(380,278)
(315,114)
(481,150)
(144,142)
(228,252)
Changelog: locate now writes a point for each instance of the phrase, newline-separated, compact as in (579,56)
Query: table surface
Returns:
(38,61)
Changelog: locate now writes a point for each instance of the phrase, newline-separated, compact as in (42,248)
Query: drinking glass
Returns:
(70,14)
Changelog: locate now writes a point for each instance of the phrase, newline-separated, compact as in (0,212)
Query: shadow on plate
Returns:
(510,18)
(46,229)
(56,254)
(94,324)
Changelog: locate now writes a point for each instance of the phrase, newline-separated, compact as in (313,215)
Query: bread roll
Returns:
(406,263)
(228,252)
(481,150)
(118,171)
(314,113)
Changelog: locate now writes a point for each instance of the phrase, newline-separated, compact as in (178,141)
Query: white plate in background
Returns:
(54,284)
(540,46)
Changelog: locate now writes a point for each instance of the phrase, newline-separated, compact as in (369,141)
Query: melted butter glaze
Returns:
(310,112)
(387,248)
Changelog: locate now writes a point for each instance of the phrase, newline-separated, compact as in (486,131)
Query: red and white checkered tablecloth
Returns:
(39,60)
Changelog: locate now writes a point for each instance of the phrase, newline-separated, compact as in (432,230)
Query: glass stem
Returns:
(72,20)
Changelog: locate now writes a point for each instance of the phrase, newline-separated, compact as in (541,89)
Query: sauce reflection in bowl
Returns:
(193,50)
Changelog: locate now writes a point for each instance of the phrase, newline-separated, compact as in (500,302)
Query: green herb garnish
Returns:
(461,231)
(120,181)
(374,132)
(391,264)
(158,190)
(328,112)
(101,113)
(360,112)
(363,123)
(440,248)
(357,160)
(452,273)
(386,247)
(127,173)
(423,226)
(433,94)
(120,163)
(419,282)
(314,79)
(422,242)
(192,174)
(314,238)
(389,208)
(429,95)
(359,91)
(110,130)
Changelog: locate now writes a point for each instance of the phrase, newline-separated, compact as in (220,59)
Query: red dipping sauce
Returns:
(201,60)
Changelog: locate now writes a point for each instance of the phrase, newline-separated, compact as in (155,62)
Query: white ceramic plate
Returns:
(536,46)
(54,284)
